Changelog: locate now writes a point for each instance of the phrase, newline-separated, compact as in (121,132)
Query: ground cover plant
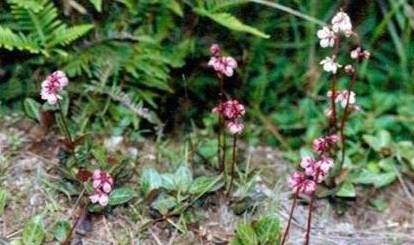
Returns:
(206,122)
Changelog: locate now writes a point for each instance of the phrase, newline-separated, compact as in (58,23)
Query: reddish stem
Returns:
(332,121)
(233,163)
(292,208)
(312,198)
(344,118)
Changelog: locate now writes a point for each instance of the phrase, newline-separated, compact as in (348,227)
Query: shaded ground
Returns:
(27,173)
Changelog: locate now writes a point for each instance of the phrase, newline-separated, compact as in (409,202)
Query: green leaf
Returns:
(3,200)
(33,232)
(376,179)
(164,203)
(97,4)
(231,22)
(168,181)
(32,108)
(205,184)
(61,230)
(246,234)
(150,180)
(183,178)
(121,195)
(268,230)
(347,189)
(381,140)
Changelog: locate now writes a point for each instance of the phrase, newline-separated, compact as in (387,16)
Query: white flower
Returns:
(326,36)
(342,23)
(330,65)
(358,53)
(343,98)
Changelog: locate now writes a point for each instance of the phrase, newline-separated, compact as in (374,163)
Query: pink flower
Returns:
(342,23)
(323,144)
(215,50)
(360,54)
(349,69)
(224,65)
(327,37)
(330,65)
(341,97)
(231,109)
(51,87)
(99,197)
(299,182)
(102,180)
(325,164)
(235,127)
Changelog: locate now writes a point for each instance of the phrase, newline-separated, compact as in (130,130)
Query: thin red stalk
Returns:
(344,118)
(233,163)
(292,208)
(222,138)
(65,124)
(333,124)
(308,227)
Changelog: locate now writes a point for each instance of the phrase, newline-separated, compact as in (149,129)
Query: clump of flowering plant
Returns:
(102,187)
(229,111)
(316,169)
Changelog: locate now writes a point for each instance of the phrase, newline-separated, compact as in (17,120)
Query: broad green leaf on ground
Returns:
(34,232)
(347,189)
(32,108)
(150,180)
(268,230)
(376,179)
(246,234)
(3,200)
(168,181)
(61,230)
(183,178)
(164,203)
(231,22)
(378,142)
(121,195)
(204,184)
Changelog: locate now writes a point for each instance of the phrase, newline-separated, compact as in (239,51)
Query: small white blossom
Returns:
(342,23)
(330,65)
(327,37)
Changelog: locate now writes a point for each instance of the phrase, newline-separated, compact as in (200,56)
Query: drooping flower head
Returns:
(329,64)
(317,170)
(342,23)
(99,197)
(235,126)
(323,144)
(359,54)
(102,180)
(341,97)
(215,50)
(300,183)
(52,86)
(230,110)
(223,65)
(326,36)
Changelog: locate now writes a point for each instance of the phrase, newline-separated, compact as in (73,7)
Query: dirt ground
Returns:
(27,162)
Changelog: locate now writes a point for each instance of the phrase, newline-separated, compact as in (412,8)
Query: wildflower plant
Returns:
(315,169)
(229,111)
(88,169)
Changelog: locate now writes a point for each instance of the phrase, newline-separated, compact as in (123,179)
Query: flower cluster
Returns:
(232,111)
(223,65)
(315,170)
(102,183)
(52,86)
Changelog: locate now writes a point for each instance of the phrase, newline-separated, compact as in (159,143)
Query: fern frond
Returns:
(34,5)
(64,35)
(10,40)
(231,22)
